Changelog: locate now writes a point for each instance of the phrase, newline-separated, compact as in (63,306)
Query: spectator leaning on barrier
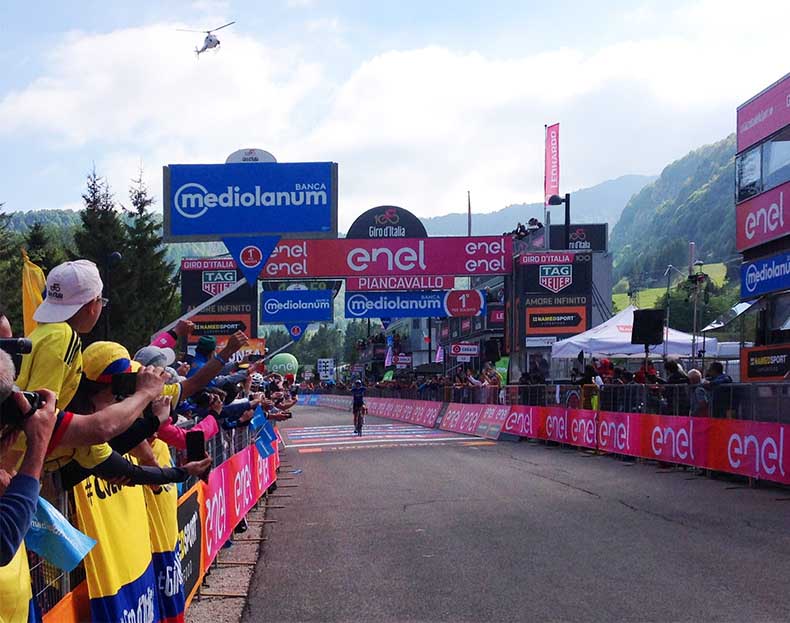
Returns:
(698,397)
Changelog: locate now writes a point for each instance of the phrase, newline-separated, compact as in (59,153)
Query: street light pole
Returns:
(556,200)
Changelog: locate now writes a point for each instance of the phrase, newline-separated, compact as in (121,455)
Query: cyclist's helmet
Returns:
(257,378)
(357,382)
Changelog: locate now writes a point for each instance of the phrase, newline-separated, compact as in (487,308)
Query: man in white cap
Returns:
(72,306)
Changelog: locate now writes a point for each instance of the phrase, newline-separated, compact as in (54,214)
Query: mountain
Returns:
(692,200)
(598,204)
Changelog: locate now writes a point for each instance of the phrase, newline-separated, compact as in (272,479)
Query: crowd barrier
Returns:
(745,447)
(121,580)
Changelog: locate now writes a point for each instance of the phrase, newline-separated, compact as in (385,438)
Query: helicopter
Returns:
(210,41)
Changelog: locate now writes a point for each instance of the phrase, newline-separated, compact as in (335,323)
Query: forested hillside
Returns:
(692,200)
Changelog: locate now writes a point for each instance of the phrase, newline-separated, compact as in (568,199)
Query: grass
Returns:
(649,296)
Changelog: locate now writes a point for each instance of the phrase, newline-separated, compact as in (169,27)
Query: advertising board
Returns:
(481,255)
(583,237)
(763,218)
(387,222)
(764,114)
(556,320)
(296,306)
(470,349)
(417,282)
(221,201)
(430,304)
(765,363)
(765,275)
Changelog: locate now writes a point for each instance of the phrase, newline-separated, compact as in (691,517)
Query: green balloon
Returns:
(283,363)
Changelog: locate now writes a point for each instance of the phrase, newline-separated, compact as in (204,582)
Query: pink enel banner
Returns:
(764,114)
(342,258)
(763,218)
(461,418)
(551,171)
(233,489)
(492,419)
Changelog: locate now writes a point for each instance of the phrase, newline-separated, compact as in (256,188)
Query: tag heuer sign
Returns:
(555,277)
(216,281)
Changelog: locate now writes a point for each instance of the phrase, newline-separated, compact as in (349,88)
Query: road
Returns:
(426,526)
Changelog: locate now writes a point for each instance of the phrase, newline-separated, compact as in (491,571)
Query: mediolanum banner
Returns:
(219,201)
(762,276)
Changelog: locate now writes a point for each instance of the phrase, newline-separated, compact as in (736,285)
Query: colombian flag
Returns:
(33,287)
(162,505)
(120,572)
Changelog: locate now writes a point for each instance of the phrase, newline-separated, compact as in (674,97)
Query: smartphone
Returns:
(124,384)
(196,445)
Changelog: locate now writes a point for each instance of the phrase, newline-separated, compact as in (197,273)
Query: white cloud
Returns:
(416,127)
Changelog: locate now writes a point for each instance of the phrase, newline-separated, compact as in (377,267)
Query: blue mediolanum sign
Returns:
(765,275)
(216,201)
(297,306)
(425,304)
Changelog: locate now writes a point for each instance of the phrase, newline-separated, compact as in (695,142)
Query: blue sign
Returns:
(297,306)
(216,201)
(425,304)
(765,275)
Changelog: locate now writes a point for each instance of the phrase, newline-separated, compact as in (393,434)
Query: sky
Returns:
(417,101)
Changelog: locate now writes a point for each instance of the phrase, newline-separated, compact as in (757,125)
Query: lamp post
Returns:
(668,275)
(556,200)
(696,280)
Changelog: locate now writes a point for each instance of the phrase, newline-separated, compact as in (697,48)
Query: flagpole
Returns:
(469,213)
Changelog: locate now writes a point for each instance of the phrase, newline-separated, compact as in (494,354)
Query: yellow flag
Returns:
(33,285)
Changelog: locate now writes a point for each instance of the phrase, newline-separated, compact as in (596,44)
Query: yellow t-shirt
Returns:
(55,363)
(15,590)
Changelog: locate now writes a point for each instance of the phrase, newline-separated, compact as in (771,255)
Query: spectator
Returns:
(698,397)
(19,490)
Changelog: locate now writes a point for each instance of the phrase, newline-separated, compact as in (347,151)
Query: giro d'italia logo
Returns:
(556,277)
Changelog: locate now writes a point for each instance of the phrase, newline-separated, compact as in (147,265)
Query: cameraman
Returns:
(19,491)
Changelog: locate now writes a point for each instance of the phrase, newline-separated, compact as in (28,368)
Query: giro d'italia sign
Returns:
(220,201)
(455,303)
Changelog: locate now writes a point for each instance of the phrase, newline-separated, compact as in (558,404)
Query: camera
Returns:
(124,384)
(202,400)
(16,345)
(11,416)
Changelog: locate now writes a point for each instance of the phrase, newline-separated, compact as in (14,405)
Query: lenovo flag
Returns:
(551,174)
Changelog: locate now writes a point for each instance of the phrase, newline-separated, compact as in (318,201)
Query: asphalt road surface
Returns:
(406,524)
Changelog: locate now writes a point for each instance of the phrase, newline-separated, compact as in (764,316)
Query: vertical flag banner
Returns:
(551,184)
(33,287)
(439,355)
(388,358)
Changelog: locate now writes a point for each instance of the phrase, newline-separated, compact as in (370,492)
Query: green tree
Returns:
(41,247)
(10,274)
(102,233)
(355,330)
(150,276)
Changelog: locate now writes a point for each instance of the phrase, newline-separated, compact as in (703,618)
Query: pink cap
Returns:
(69,286)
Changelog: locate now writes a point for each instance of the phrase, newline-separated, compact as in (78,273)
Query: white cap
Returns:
(69,286)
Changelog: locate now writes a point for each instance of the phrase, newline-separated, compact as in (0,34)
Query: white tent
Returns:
(613,339)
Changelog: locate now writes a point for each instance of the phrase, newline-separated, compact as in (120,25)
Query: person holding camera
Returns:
(19,489)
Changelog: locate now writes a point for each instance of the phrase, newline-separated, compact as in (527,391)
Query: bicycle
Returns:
(359,419)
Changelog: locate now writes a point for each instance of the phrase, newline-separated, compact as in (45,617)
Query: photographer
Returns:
(19,491)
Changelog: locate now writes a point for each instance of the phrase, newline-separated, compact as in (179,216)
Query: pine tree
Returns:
(152,276)
(103,233)
(10,274)
(42,249)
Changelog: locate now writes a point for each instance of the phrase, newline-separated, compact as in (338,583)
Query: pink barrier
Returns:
(419,412)
(462,418)
(233,489)
(752,449)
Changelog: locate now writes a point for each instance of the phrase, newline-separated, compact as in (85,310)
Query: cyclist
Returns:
(358,407)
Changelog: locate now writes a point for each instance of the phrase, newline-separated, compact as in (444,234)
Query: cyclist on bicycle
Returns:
(358,407)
